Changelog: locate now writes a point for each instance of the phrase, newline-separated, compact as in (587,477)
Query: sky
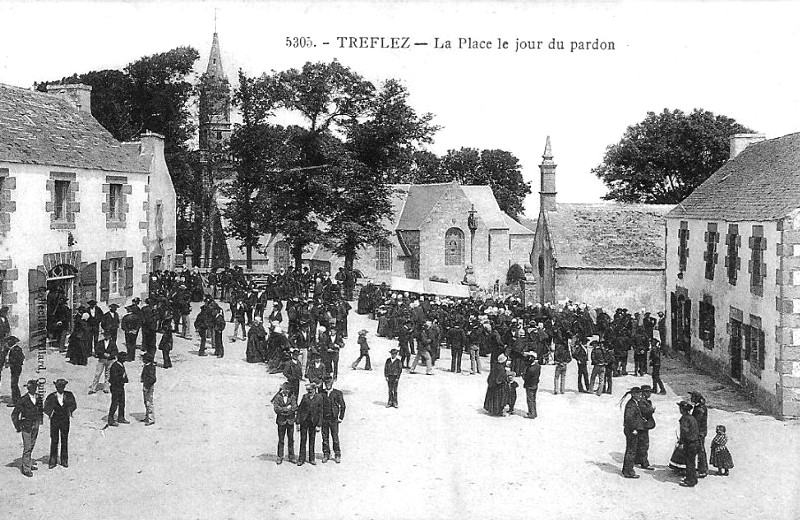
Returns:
(733,58)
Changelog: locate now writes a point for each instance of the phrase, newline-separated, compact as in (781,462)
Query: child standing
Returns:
(720,456)
(148,379)
(364,350)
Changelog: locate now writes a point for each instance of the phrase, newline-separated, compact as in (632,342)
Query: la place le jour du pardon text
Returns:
(469,43)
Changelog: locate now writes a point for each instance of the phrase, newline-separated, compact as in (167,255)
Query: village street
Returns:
(211,453)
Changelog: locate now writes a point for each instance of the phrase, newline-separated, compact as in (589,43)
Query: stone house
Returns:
(609,255)
(733,271)
(430,236)
(79,211)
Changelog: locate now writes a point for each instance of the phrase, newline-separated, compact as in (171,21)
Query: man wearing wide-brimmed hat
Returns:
(27,417)
(59,406)
(16,357)
(689,440)
(632,423)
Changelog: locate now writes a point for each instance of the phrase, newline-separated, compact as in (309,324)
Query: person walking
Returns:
(363,351)
(333,408)
(531,384)
(26,417)
(655,363)
(118,377)
(598,367)
(106,352)
(456,338)
(688,441)
(392,370)
(285,405)
(59,407)
(633,422)
(423,350)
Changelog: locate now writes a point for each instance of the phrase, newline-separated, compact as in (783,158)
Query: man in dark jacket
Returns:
(456,338)
(655,362)
(117,379)
(95,317)
(611,361)
(58,406)
(219,327)
(598,367)
(148,379)
(689,440)
(700,413)
(643,446)
(309,419)
(633,422)
(131,323)
(16,358)
(392,370)
(581,357)
(110,324)
(149,317)
(293,371)
(531,384)
(333,408)
(285,405)
(562,358)
(27,416)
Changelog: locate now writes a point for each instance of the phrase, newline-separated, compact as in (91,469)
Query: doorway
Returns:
(736,350)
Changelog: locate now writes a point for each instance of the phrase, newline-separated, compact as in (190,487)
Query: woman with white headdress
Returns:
(497,388)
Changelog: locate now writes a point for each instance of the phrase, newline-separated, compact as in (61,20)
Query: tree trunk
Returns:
(297,254)
(248,252)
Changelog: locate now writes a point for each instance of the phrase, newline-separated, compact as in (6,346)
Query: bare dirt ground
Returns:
(211,453)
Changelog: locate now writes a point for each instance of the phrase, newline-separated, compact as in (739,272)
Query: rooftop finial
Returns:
(548,152)
(215,19)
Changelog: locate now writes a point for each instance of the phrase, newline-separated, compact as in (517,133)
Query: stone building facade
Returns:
(733,272)
(431,237)
(609,255)
(79,211)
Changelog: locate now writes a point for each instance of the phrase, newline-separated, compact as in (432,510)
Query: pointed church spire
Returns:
(214,69)
(547,192)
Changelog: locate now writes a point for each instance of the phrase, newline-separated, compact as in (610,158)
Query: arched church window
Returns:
(541,266)
(281,255)
(383,256)
(454,247)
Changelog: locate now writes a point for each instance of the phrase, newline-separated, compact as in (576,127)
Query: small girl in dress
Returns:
(720,456)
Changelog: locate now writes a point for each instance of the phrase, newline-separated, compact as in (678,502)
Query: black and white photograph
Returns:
(399,259)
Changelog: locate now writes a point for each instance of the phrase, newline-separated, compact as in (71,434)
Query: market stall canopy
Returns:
(428,287)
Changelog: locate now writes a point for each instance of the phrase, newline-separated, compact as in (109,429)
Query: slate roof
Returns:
(518,228)
(418,204)
(761,183)
(486,206)
(608,235)
(39,128)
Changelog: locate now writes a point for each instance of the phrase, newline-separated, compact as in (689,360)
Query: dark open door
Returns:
(736,350)
(37,309)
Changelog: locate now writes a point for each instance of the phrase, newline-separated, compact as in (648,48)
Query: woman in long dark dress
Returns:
(497,388)
(256,341)
(77,340)
(277,347)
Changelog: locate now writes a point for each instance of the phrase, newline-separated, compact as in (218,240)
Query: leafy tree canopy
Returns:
(666,156)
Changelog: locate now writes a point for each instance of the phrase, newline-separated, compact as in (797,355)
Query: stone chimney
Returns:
(78,94)
(547,193)
(741,141)
(153,144)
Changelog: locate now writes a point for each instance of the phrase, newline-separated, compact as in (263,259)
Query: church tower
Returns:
(215,103)
(547,192)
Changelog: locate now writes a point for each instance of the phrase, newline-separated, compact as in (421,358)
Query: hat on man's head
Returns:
(136,300)
(685,406)
(362,332)
(60,382)
(4,309)
(327,378)
(31,382)
(91,302)
(635,390)
(113,306)
(393,351)
(646,388)
(11,341)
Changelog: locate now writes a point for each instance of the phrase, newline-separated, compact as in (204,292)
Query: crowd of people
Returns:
(304,330)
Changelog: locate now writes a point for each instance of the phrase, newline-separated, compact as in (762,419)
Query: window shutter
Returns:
(749,266)
(738,263)
(761,356)
(738,241)
(716,258)
(763,243)
(727,240)
(763,270)
(128,276)
(104,279)
(726,261)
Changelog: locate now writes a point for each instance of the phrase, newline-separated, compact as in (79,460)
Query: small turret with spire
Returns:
(547,192)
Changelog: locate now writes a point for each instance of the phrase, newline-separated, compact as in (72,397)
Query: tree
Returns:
(498,169)
(666,156)
(514,275)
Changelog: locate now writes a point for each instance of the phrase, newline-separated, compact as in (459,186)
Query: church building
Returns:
(609,255)
(79,211)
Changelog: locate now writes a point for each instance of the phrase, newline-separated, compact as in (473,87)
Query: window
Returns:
(114,201)
(732,261)
(159,221)
(747,335)
(219,135)
(755,351)
(454,247)
(710,255)
(115,277)
(490,248)
(707,323)
(758,269)
(383,256)
(60,199)
(683,245)
(281,255)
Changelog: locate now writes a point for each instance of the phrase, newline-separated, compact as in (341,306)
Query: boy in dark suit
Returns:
(117,379)
(309,419)
(392,370)
(58,406)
